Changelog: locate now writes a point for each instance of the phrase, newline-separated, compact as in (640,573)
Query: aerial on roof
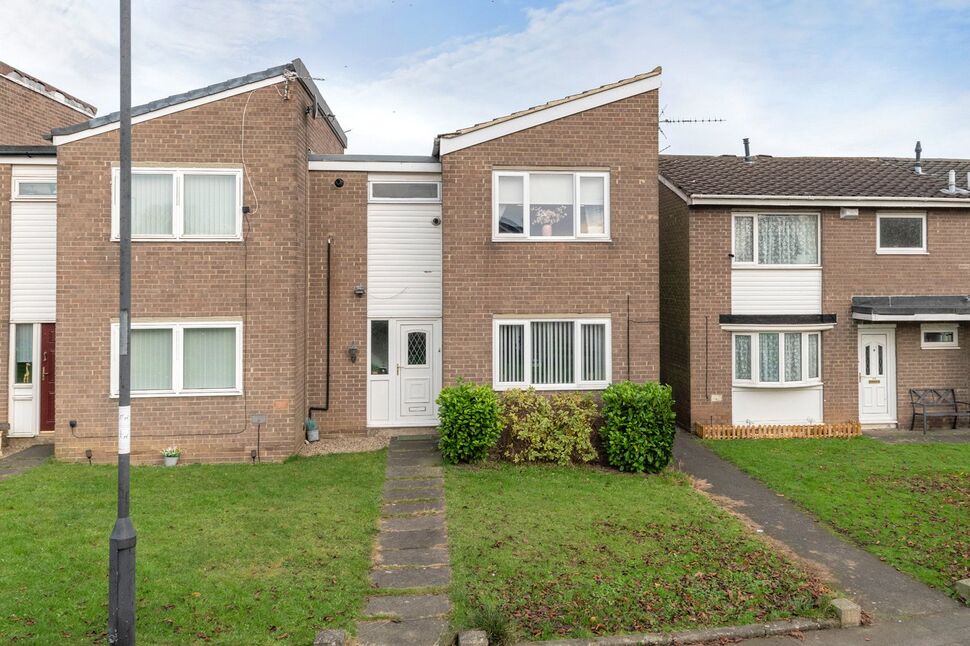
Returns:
(812,177)
(48,90)
(294,69)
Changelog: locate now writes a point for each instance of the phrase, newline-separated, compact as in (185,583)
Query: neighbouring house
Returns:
(29,109)
(275,278)
(803,290)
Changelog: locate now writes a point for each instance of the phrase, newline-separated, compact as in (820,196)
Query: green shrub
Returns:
(469,422)
(540,429)
(638,426)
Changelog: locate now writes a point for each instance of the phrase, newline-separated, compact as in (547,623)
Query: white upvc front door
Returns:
(877,375)
(415,371)
(404,357)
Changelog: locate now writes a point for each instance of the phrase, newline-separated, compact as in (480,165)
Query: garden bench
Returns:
(937,402)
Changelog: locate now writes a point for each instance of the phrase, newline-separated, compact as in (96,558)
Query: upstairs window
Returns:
(550,205)
(901,233)
(181,204)
(551,354)
(767,239)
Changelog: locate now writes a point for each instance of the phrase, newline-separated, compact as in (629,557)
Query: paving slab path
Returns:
(17,463)
(897,602)
(412,567)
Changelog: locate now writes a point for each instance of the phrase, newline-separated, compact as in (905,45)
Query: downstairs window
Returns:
(551,354)
(777,358)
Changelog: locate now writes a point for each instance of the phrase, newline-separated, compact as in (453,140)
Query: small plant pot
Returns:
(171,461)
(547,230)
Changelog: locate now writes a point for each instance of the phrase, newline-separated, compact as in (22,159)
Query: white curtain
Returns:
(592,200)
(813,356)
(209,357)
(511,353)
(768,356)
(744,239)
(151,203)
(742,357)
(793,356)
(552,352)
(787,239)
(594,352)
(210,205)
(151,359)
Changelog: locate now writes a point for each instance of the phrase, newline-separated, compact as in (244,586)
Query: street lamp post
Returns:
(121,561)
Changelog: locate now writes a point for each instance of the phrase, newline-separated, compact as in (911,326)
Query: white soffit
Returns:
(377,166)
(545,115)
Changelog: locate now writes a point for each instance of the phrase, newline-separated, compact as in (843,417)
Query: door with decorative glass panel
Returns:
(415,371)
(877,397)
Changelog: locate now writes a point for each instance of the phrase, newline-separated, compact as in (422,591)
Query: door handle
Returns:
(43,373)
(397,368)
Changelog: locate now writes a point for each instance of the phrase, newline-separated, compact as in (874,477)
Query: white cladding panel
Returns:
(33,261)
(776,291)
(403,260)
(776,405)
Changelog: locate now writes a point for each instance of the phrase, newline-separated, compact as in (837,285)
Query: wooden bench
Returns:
(937,402)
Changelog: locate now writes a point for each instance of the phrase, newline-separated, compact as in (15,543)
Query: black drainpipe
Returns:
(326,405)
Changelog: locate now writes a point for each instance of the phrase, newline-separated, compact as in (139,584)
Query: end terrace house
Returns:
(807,290)
(277,279)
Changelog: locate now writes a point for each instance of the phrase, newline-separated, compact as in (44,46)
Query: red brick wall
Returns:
(675,300)
(483,278)
(26,115)
(261,282)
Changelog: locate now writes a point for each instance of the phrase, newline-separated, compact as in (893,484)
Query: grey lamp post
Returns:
(121,562)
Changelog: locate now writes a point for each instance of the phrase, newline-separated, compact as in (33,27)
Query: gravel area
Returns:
(345,444)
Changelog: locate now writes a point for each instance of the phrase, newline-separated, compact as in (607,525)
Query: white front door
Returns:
(415,370)
(877,367)
(405,372)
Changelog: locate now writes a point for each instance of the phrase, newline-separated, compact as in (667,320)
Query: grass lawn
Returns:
(571,551)
(907,503)
(227,554)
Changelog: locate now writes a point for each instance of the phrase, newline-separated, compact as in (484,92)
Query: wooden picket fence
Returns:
(776,432)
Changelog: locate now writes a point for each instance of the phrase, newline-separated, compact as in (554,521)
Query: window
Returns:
(24,350)
(550,354)
(35,189)
(182,204)
(550,205)
(939,336)
(182,358)
(900,233)
(378,347)
(777,358)
(776,239)
(401,191)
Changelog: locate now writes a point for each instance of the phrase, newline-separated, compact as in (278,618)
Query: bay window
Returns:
(181,358)
(551,354)
(550,205)
(777,358)
(181,204)
(775,239)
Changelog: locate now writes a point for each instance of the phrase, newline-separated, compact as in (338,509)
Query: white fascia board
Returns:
(33,161)
(172,109)
(377,166)
(754,327)
(827,200)
(673,187)
(910,318)
(545,115)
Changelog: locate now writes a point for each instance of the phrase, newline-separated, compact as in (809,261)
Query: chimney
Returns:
(747,150)
(951,180)
(918,168)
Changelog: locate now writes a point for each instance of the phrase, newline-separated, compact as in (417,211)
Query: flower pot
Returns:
(171,461)
(547,230)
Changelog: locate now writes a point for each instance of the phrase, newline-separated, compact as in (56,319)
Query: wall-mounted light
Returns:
(353,350)
(339,182)
(359,290)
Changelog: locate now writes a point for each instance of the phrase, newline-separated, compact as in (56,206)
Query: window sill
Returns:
(939,347)
(773,267)
(549,239)
(184,239)
(189,393)
(774,386)
(902,252)
(549,387)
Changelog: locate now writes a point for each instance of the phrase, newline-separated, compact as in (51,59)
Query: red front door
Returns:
(47,377)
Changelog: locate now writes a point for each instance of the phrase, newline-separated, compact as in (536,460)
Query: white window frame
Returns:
(899,251)
(577,353)
(939,327)
(754,264)
(407,200)
(178,211)
(526,236)
(755,380)
(40,179)
(178,329)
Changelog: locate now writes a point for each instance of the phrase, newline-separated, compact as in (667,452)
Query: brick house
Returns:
(806,290)
(29,109)
(275,278)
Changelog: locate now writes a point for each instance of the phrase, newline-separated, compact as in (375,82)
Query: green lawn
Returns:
(907,503)
(571,551)
(230,554)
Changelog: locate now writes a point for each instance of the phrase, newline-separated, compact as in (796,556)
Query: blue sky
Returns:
(798,78)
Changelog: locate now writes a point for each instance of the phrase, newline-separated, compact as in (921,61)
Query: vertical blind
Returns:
(511,349)
(151,359)
(552,352)
(151,203)
(594,351)
(209,358)
(210,204)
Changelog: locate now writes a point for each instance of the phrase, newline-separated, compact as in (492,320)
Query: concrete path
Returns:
(893,599)
(21,461)
(906,436)
(412,551)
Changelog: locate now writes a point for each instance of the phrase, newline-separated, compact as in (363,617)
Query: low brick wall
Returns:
(769,432)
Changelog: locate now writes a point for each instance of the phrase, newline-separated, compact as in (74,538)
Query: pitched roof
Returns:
(42,87)
(853,177)
(295,67)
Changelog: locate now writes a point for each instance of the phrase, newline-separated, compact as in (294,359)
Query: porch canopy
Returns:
(911,308)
